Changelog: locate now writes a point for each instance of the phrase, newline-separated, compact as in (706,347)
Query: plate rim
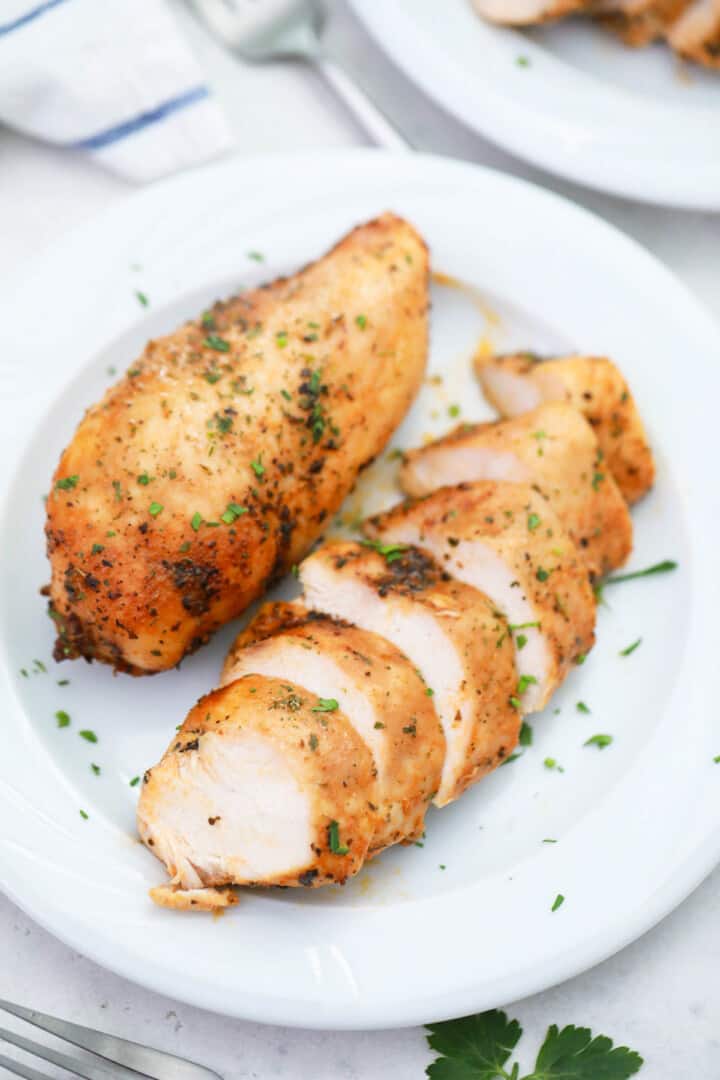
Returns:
(696,864)
(390,26)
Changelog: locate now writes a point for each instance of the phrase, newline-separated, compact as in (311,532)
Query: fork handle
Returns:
(365,111)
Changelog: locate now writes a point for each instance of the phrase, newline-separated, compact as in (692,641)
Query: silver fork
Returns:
(127,1059)
(264,30)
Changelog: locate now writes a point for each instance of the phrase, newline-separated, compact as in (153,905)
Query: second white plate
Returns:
(568,97)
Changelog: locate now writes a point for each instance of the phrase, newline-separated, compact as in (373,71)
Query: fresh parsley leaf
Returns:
(558,902)
(601,741)
(479,1047)
(142,298)
(88,736)
(212,341)
(63,718)
(659,568)
(629,649)
(326,705)
(573,1054)
(582,707)
(526,734)
(473,1047)
(67,483)
(334,840)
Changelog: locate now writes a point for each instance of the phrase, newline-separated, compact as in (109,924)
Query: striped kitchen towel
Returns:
(110,78)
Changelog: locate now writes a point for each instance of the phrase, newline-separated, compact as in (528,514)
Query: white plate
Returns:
(636,824)
(632,122)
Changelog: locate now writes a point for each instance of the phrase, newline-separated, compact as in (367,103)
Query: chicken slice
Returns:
(551,447)
(518,382)
(377,689)
(696,34)
(212,466)
(638,22)
(448,630)
(263,785)
(526,12)
(505,540)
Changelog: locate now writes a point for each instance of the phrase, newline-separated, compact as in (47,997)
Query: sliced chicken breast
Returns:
(376,688)
(518,382)
(263,785)
(525,12)
(505,540)
(696,34)
(638,22)
(452,634)
(551,447)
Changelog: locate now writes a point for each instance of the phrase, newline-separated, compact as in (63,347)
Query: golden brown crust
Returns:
(596,387)
(264,407)
(177,899)
(477,629)
(560,454)
(321,746)
(413,739)
(549,570)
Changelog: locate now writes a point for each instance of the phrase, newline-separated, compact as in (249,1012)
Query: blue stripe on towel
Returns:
(7,28)
(137,123)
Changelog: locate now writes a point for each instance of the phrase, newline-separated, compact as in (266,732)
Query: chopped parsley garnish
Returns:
(156,508)
(286,395)
(258,468)
(144,479)
(67,483)
(523,682)
(212,376)
(523,625)
(629,649)
(479,1047)
(453,411)
(659,568)
(313,741)
(63,718)
(63,682)
(212,341)
(582,707)
(515,702)
(508,760)
(597,480)
(526,734)
(281,339)
(601,741)
(334,840)
(541,574)
(520,642)
(208,320)
(256,256)
(95,769)
(325,704)
(83,815)
(196,521)
(39,666)
(135,781)
(390,552)
(142,298)
(550,763)
(549,840)
(533,522)
(429,692)
(581,658)
(96,549)
(88,736)
(522,61)
(558,902)
(232,513)
(361,321)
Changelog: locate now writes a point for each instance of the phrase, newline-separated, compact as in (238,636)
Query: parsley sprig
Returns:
(479,1048)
